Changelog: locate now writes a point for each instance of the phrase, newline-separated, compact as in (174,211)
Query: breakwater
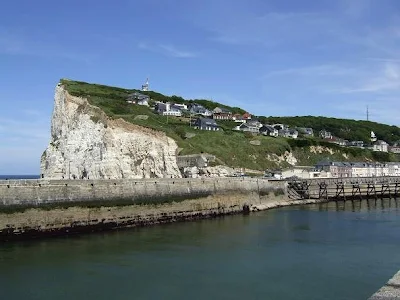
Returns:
(49,207)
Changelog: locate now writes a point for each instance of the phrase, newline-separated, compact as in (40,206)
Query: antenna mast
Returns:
(367,113)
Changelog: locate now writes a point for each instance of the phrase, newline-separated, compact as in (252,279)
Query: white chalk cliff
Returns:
(86,143)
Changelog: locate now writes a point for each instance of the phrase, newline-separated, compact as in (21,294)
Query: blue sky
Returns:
(280,57)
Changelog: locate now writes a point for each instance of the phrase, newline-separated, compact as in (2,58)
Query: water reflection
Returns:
(377,205)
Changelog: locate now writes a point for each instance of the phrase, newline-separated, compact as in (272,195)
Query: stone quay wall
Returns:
(141,191)
(52,207)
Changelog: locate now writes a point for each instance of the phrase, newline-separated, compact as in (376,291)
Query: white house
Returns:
(144,101)
(394,169)
(269,130)
(381,146)
(181,106)
(247,128)
(325,134)
(138,98)
(289,133)
(166,109)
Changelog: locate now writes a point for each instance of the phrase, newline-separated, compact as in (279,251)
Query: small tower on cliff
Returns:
(373,137)
(145,87)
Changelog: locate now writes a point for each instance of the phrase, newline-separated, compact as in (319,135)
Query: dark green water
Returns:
(311,252)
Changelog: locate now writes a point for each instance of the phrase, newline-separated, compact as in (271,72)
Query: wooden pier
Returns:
(334,189)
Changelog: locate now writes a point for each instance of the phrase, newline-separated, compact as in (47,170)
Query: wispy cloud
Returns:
(166,49)
(384,78)
(318,70)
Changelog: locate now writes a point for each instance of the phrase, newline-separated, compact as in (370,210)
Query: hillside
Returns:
(238,149)
(351,130)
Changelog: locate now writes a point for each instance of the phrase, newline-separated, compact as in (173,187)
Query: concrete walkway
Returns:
(391,290)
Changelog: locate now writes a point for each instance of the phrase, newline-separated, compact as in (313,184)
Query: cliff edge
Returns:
(86,143)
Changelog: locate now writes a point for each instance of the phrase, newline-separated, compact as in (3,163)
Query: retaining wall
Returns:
(41,192)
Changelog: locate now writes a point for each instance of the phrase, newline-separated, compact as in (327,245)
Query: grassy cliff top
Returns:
(231,147)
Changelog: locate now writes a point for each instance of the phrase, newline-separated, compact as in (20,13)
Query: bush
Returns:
(180,131)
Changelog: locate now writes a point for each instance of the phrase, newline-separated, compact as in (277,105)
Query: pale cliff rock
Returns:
(86,143)
(286,157)
(217,171)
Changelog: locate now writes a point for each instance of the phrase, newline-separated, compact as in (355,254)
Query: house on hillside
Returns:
(219,110)
(254,122)
(206,124)
(268,130)
(247,128)
(222,114)
(197,109)
(167,109)
(326,135)
(288,133)
(280,126)
(394,149)
(306,131)
(182,107)
(338,141)
(238,118)
(380,146)
(138,98)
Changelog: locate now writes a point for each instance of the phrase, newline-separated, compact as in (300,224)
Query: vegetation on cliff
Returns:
(352,130)
(238,149)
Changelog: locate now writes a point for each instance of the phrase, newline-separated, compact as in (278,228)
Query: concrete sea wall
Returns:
(141,191)
(47,207)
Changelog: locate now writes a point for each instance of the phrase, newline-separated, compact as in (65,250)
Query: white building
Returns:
(247,128)
(373,137)
(381,146)
(145,87)
(394,169)
(172,112)
(181,106)
(166,109)
(325,134)
(144,101)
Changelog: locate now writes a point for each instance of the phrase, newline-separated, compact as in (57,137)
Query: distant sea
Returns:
(19,177)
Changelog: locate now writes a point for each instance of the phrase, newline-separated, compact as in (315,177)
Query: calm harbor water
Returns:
(323,251)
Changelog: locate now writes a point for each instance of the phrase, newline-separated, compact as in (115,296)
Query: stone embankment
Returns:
(390,291)
(52,207)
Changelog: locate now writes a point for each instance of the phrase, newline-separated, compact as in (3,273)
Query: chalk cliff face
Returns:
(86,143)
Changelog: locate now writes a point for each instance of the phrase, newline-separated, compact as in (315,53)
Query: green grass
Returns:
(230,147)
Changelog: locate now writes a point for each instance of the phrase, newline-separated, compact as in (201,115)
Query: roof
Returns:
(267,127)
(248,125)
(207,121)
(380,142)
(137,95)
(223,110)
